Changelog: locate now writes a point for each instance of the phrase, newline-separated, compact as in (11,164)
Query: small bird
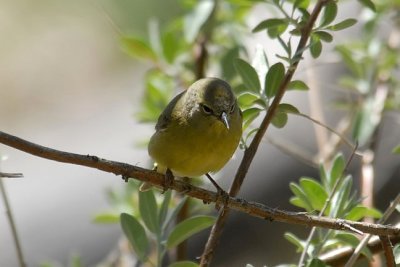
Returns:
(198,131)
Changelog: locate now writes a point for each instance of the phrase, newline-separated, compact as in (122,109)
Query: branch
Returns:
(252,208)
(250,152)
(388,251)
(339,257)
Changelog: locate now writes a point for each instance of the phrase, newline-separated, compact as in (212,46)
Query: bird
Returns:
(198,131)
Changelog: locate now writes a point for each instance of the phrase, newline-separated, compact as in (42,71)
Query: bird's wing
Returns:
(167,115)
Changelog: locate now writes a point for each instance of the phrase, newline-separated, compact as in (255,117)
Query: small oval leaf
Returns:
(273,79)
(187,228)
(248,74)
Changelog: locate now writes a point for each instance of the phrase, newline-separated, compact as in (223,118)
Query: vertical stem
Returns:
(11,221)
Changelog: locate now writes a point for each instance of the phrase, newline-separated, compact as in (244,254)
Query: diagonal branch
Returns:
(250,152)
(252,208)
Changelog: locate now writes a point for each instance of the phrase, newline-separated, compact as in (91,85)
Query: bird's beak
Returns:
(224,119)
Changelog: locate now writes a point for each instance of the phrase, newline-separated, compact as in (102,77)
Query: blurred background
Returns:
(65,83)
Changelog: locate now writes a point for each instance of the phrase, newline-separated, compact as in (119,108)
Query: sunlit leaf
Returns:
(187,228)
(136,235)
(273,79)
(315,193)
(248,74)
(298,192)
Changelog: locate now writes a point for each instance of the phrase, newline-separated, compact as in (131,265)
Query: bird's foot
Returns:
(222,196)
(168,180)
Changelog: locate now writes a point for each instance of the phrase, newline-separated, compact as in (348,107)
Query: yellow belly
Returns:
(196,149)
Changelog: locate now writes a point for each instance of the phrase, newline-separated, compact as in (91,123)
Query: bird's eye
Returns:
(206,109)
(232,109)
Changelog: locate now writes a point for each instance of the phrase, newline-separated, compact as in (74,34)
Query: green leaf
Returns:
(279,120)
(193,21)
(187,228)
(316,263)
(260,64)
(149,211)
(269,24)
(298,85)
(162,215)
(295,241)
(369,4)
(274,27)
(315,193)
(298,192)
(138,48)
(330,13)
(246,100)
(337,170)
(136,235)
(184,264)
(288,108)
(359,212)
(365,124)
(324,36)
(273,79)
(106,218)
(342,25)
(249,115)
(248,74)
(396,150)
(315,47)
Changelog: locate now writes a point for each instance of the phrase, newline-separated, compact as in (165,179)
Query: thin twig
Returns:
(250,152)
(387,250)
(11,175)
(364,241)
(149,176)
(10,217)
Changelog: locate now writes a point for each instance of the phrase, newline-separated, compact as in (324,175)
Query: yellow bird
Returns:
(198,131)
